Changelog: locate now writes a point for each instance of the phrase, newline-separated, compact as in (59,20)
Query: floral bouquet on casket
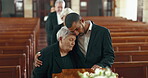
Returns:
(99,73)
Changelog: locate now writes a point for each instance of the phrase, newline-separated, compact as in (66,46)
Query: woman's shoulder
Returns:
(49,49)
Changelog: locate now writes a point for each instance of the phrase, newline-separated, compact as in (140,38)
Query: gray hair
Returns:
(60,1)
(66,11)
(63,32)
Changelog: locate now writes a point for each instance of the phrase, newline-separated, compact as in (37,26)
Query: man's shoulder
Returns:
(52,14)
(99,27)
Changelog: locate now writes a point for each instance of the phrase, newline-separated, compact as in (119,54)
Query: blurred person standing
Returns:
(54,19)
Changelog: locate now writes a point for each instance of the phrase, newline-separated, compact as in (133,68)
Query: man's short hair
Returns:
(70,18)
(63,32)
(60,1)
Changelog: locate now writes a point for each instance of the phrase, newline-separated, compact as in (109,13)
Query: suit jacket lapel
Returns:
(92,38)
(55,20)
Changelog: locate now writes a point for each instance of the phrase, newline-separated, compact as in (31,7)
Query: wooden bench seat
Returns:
(19,20)
(126,27)
(122,24)
(17,25)
(129,56)
(140,46)
(18,33)
(104,18)
(34,35)
(3,27)
(14,60)
(20,50)
(10,71)
(18,42)
(128,30)
(21,42)
(129,39)
(131,69)
(7,42)
(125,34)
(14,37)
(18,36)
(16,29)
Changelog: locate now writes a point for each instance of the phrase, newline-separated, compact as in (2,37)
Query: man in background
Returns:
(54,19)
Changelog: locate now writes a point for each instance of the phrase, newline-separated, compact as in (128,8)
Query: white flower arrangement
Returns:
(99,73)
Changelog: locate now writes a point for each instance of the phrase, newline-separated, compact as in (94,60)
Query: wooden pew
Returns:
(7,42)
(140,46)
(16,29)
(125,34)
(22,23)
(141,26)
(123,24)
(20,35)
(16,37)
(130,56)
(20,42)
(7,26)
(16,33)
(130,39)
(131,69)
(20,50)
(10,71)
(19,20)
(14,60)
(128,30)
(104,18)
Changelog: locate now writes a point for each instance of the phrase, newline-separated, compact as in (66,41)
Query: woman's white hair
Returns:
(63,32)
(66,11)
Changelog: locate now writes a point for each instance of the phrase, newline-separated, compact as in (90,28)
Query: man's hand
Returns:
(96,66)
(37,62)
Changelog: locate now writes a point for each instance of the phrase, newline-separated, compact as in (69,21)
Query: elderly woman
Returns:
(57,56)
(65,12)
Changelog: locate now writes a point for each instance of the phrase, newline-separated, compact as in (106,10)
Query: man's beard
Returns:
(81,34)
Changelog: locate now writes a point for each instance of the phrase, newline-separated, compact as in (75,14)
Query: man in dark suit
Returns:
(94,46)
(54,19)
(57,56)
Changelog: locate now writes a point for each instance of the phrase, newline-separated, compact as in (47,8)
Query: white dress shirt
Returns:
(59,19)
(84,40)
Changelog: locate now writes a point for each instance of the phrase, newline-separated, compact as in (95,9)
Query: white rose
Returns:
(99,71)
(85,75)
(100,77)
(108,73)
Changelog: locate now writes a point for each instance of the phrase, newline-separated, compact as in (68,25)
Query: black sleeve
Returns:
(44,71)
(49,28)
(54,34)
(108,52)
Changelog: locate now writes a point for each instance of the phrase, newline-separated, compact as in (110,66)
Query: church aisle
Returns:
(42,39)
